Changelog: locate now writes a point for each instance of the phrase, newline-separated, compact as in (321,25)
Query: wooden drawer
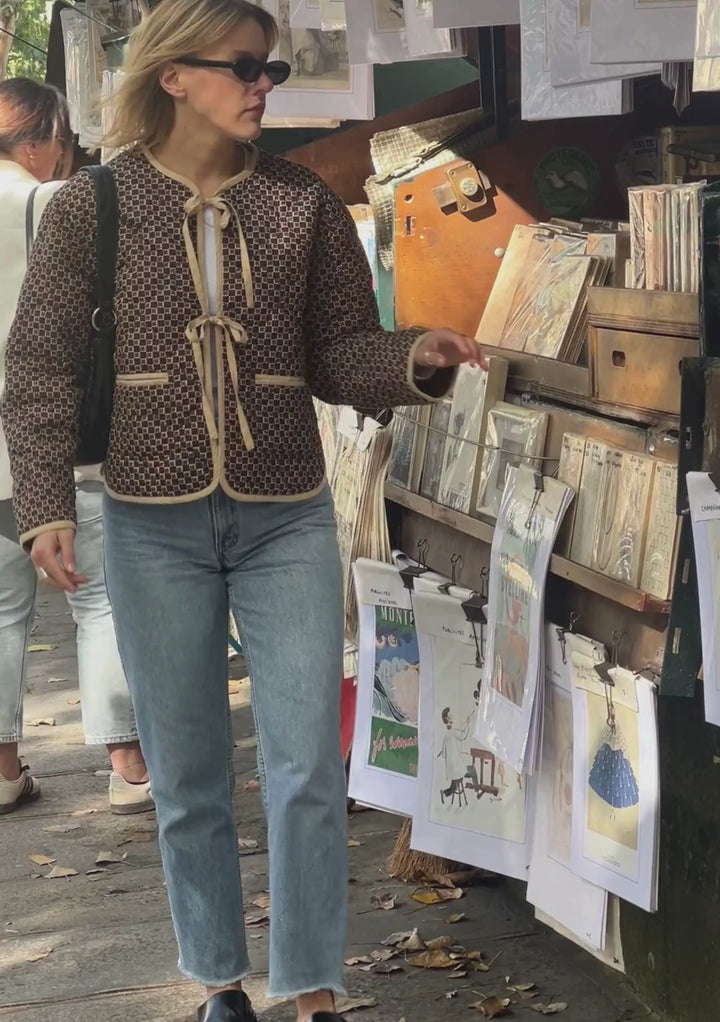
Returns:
(639,370)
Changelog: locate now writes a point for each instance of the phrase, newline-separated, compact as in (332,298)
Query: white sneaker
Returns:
(13,793)
(127,798)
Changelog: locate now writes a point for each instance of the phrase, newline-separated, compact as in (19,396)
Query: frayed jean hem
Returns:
(214,984)
(285,993)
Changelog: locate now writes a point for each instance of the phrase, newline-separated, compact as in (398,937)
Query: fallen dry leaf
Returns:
(83,812)
(257,919)
(521,988)
(458,974)
(253,785)
(384,902)
(397,938)
(42,722)
(43,647)
(383,956)
(362,960)
(138,837)
(246,844)
(56,681)
(440,944)
(459,918)
(435,897)
(60,873)
(549,1009)
(96,871)
(387,969)
(493,1007)
(42,860)
(105,858)
(352,843)
(41,956)
(432,960)
(73,702)
(450,994)
(263,901)
(62,828)
(345,1005)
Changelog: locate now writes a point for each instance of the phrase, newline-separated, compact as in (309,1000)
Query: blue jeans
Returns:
(173,573)
(106,708)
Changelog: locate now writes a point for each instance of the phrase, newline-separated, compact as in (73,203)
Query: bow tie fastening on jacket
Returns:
(231,331)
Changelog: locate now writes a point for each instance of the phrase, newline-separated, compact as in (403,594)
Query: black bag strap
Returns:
(30,223)
(106,245)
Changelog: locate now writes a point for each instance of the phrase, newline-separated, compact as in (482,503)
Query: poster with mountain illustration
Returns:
(383,767)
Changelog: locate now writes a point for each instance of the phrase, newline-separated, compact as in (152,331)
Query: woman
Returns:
(242,291)
(35,147)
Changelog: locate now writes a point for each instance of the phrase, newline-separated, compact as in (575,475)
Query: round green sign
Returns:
(566,182)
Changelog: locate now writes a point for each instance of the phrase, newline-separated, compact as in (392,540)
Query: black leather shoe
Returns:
(229,1006)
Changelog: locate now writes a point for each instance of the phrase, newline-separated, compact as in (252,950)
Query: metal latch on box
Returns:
(466,187)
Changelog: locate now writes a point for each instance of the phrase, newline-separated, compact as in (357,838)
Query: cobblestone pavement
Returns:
(98,947)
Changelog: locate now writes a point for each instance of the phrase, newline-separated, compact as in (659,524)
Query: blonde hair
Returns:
(144,112)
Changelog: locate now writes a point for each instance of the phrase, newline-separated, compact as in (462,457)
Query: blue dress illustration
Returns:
(612,776)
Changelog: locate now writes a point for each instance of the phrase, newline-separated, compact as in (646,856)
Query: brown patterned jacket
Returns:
(294,316)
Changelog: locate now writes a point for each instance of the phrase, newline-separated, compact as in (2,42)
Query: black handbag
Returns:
(98,385)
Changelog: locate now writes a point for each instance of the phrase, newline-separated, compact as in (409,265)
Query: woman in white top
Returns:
(35,148)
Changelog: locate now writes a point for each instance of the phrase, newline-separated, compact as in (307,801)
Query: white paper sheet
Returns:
(616,784)
(540,100)
(553,887)
(377,33)
(569,39)
(511,696)
(612,955)
(482,815)
(705,513)
(383,767)
(324,81)
(623,32)
(475,13)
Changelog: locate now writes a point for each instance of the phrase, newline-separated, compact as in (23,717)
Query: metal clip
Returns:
(539,490)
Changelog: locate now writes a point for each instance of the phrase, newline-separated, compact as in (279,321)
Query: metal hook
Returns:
(422,552)
(563,644)
(574,618)
(456,564)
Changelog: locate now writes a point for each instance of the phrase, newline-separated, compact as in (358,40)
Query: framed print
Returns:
(475,13)
(515,436)
(434,453)
(323,81)
(409,437)
(627,31)
(476,391)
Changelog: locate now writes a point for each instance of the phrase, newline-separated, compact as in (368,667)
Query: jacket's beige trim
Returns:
(27,537)
(288,498)
(251,161)
(142,379)
(413,380)
(224,485)
(186,498)
(265,380)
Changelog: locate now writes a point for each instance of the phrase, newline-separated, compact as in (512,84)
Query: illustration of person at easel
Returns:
(453,753)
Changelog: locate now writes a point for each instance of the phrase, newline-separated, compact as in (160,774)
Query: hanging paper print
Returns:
(613,792)
(612,776)
(393,735)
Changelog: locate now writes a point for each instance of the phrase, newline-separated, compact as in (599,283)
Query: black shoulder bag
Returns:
(99,383)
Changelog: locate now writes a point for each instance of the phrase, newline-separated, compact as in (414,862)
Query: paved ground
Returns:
(98,947)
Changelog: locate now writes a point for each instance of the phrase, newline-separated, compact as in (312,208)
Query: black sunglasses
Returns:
(247,69)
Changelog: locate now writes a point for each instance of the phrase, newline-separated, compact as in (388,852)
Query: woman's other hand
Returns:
(444,349)
(53,553)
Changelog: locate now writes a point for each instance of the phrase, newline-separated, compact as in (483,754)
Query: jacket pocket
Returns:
(264,380)
(142,379)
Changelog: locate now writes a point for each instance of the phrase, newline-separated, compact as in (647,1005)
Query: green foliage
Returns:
(34,26)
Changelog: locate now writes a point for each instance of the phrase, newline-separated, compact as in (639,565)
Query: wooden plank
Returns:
(651,312)
(620,362)
(612,590)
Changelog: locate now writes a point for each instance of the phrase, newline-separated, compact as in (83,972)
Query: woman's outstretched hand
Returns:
(53,553)
(445,349)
